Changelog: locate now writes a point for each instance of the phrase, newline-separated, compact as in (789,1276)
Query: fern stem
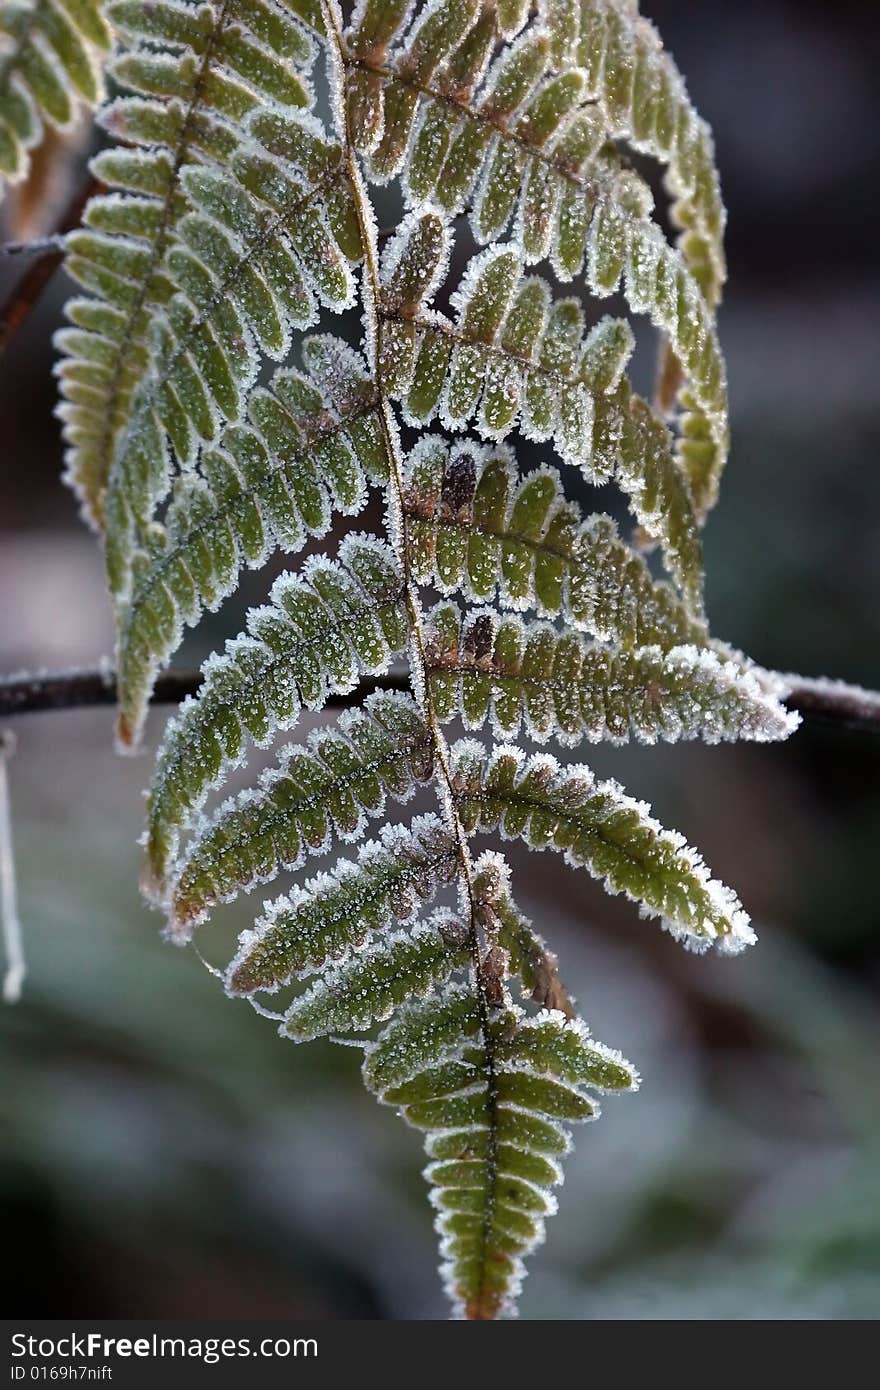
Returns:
(33,248)
(835,702)
(44,691)
(418,661)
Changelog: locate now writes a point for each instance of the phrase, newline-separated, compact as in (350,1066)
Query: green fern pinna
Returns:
(238,215)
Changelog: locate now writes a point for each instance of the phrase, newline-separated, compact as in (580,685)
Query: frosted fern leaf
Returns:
(482,668)
(595,825)
(515,355)
(192,73)
(521,136)
(329,788)
(271,267)
(336,912)
(474,525)
(318,635)
(528,954)
(206,433)
(308,448)
(368,987)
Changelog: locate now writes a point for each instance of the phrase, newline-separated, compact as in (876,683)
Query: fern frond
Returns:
(51,55)
(318,635)
(555,685)
(495,1099)
(294,248)
(194,71)
(288,246)
(512,355)
(335,913)
(331,786)
(476,526)
(307,451)
(595,825)
(587,72)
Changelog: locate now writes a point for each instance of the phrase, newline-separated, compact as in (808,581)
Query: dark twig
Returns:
(32,248)
(58,690)
(831,701)
(23,296)
(834,702)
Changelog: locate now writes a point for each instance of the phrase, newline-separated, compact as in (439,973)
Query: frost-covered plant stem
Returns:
(23,297)
(397,528)
(32,248)
(834,701)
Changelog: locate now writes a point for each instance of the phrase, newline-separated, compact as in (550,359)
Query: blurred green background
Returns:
(165,1154)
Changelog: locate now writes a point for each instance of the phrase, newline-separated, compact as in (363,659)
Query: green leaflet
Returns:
(598,827)
(187,104)
(556,685)
(566,1051)
(50,66)
(311,443)
(315,638)
(495,1099)
(656,285)
(474,525)
(331,786)
(336,912)
(367,988)
(512,356)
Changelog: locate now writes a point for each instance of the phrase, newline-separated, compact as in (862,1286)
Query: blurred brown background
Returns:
(164,1154)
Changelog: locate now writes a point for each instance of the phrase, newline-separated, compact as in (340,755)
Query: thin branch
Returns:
(833,702)
(848,706)
(32,693)
(32,248)
(23,296)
